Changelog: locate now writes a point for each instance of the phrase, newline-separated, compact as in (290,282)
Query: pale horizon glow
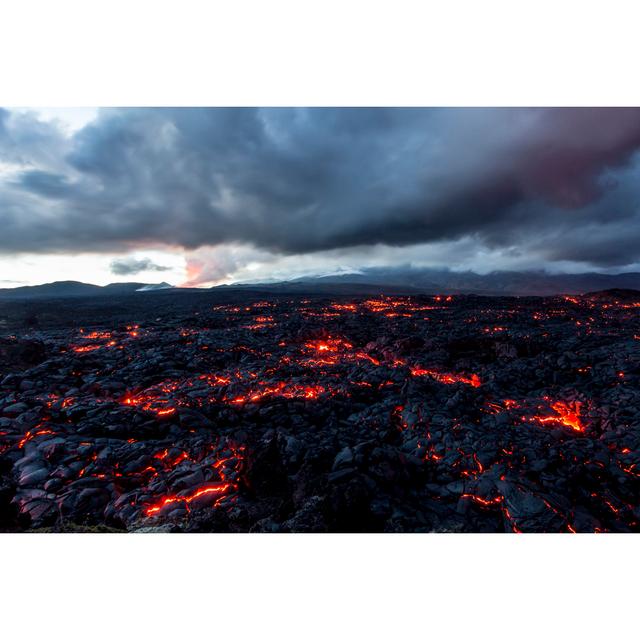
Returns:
(28,269)
(239,264)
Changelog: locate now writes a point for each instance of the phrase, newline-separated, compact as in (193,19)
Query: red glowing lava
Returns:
(447,378)
(146,402)
(87,348)
(344,307)
(216,488)
(332,345)
(483,501)
(223,466)
(567,414)
(282,390)
(32,434)
(360,355)
(96,335)
(214,380)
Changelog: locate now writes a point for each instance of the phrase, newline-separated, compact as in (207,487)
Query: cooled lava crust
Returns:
(292,414)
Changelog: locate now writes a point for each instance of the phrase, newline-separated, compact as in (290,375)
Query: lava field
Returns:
(316,414)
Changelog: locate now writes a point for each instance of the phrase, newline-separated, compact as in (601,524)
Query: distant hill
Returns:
(434,281)
(321,287)
(72,289)
(63,289)
(400,280)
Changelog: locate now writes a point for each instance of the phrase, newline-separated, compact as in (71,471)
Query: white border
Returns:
(319,586)
(277,52)
(330,52)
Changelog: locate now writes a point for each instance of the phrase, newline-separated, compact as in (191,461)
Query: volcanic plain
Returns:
(250,412)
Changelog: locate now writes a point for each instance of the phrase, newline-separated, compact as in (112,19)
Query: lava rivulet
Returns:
(210,489)
(447,378)
(565,414)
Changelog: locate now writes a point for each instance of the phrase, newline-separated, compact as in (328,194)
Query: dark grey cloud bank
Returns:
(131,266)
(558,184)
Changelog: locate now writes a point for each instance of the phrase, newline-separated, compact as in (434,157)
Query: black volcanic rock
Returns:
(629,295)
(251,411)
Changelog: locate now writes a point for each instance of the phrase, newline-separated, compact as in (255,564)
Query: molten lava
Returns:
(282,390)
(147,402)
(223,467)
(567,414)
(32,434)
(447,378)
(216,488)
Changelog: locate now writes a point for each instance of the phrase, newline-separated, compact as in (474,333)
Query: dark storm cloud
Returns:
(45,184)
(131,266)
(562,183)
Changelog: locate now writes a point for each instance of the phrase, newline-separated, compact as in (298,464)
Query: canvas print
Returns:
(318,320)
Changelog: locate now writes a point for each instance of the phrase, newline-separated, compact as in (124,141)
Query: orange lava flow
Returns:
(281,389)
(216,488)
(93,347)
(30,435)
(331,345)
(221,488)
(149,403)
(344,307)
(86,348)
(483,501)
(566,415)
(96,335)
(214,380)
(165,412)
(447,378)
(360,355)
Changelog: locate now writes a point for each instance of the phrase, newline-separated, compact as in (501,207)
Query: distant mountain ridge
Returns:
(399,280)
(73,288)
(507,283)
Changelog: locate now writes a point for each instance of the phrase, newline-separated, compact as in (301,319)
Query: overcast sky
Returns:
(201,196)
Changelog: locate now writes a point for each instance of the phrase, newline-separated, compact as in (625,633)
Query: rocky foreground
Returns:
(441,413)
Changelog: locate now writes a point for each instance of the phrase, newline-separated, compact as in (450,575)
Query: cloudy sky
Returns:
(203,196)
